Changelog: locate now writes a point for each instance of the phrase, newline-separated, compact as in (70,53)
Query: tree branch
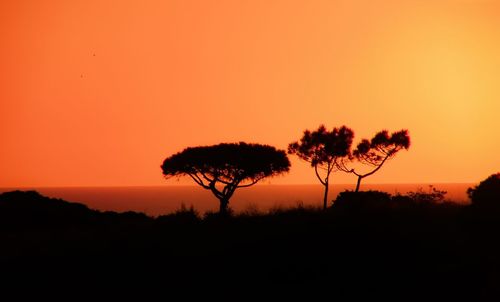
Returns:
(214,190)
(250,184)
(375,170)
(198,180)
(317,175)
(205,176)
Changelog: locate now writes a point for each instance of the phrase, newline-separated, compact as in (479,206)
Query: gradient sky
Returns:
(99,92)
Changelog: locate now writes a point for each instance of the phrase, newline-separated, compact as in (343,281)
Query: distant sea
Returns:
(158,200)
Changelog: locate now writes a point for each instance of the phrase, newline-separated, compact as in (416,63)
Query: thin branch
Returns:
(317,175)
(341,166)
(376,169)
(206,177)
(198,180)
(250,184)
(355,173)
(216,192)
(224,181)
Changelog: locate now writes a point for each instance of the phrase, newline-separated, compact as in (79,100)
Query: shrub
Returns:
(487,194)
(433,196)
(182,215)
(362,199)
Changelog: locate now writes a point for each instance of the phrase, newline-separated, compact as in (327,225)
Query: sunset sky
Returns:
(99,92)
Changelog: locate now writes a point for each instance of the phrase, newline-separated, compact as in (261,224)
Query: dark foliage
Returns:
(486,195)
(181,216)
(230,166)
(324,150)
(434,195)
(36,209)
(378,150)
(372,200)
(413,251)
(362,200)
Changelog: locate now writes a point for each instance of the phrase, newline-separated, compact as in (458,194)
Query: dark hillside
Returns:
(388,249)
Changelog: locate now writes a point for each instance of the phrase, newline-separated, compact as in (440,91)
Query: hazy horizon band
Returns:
(158,200)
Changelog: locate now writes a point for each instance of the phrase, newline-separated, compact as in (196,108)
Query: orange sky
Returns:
(99,92)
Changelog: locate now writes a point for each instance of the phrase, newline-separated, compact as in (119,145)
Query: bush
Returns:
(362,200)
(486,195)
(433,196)
(183,215)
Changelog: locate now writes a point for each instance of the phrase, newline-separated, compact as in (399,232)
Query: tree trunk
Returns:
(325,197)
(359,183)
(223,207)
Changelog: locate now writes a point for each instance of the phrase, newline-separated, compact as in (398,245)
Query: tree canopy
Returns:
(378,150)
(225,167)
(324,150)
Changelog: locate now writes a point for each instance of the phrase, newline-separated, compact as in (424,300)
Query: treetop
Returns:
(226,162)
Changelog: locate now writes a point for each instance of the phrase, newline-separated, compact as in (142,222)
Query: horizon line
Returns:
(194,185)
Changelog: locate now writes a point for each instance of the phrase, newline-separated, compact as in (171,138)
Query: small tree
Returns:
(223,168)
(324,149)
(376,152)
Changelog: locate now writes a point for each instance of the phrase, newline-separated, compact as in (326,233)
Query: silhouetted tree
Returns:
(324,149)
(225,167)
(486,195)
(376,152)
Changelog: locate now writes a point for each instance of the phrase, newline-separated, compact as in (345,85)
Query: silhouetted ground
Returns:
(365,248)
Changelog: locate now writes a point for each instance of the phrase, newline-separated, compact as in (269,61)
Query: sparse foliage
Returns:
(432,196)
(377,151)
(324,150)
(223,168)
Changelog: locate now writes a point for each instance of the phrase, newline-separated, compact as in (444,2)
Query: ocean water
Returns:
(158,200)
